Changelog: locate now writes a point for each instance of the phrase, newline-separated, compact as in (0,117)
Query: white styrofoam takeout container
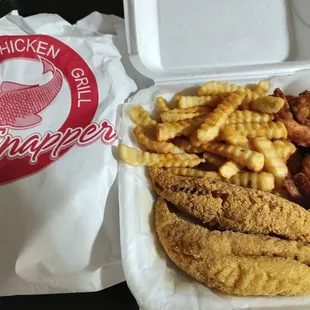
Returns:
(181,44)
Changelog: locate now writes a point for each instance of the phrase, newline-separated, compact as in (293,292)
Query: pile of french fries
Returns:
(228,126)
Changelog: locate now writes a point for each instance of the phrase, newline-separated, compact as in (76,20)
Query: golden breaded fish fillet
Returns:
(234,263)
(227,206)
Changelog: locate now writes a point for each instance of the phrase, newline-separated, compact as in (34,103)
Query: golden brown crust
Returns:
(292,189)
(303,184)
(227,206)
(234,263)
(301,107)
(298,133)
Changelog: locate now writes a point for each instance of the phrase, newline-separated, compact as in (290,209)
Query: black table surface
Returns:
(117,297)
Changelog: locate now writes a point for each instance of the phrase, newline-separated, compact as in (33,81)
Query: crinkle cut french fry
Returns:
(214,160)
(284,148)
(246,104)
(194,140)
(236,139)
(248,99)
(161,105)
(245,157)
(273,163)
(262,88)
(141,117)
(196,173)
(229,169)
(135,157)
(176,115)
(247,116)
(166,131)
(218,88)
(271,130)
(268,104)
(155,146)
(186,102)
(190,110)
(184,145)
(263,181)
(175,101)
(171,130)
(210,129)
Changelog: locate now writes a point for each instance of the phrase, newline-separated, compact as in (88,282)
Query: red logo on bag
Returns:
(47,104)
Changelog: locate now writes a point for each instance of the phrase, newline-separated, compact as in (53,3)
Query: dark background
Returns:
(71,10)
(117,297)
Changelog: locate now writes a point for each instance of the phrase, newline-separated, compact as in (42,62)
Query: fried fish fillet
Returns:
(226,206)
(234,263)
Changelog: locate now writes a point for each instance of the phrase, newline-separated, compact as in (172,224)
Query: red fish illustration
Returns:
(20,104)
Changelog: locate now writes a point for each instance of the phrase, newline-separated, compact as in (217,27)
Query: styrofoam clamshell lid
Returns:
(171,40)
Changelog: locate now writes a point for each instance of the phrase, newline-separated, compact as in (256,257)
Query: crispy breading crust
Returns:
(234,263)
(298,133)
(292,189)
(227,206)
(303,184)
(301,107)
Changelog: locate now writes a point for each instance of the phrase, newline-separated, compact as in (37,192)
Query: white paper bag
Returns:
(61,87)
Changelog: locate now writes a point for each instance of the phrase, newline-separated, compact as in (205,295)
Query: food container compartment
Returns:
(180,45)
(181,39)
